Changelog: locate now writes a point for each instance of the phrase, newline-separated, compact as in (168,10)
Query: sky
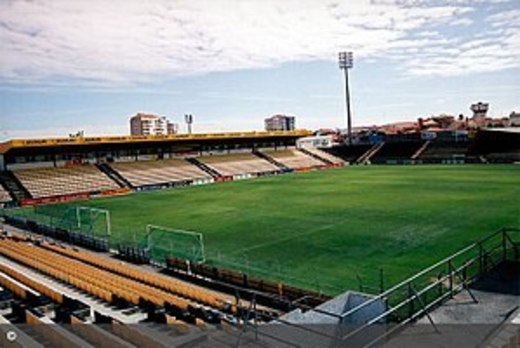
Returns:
(90,65)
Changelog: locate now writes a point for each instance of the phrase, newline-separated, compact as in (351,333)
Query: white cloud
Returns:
(100,43)
(493,52)
(509,18)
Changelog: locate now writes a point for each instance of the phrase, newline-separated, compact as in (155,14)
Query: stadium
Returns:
(259,174)
(249,228)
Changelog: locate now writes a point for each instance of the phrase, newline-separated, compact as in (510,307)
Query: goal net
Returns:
(163,242)
(85,220)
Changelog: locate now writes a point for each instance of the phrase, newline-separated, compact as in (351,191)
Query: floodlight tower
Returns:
(345,63)
(188,118)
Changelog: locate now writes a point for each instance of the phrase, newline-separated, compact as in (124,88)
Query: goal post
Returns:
(164,241)
(94,221)
(81,219)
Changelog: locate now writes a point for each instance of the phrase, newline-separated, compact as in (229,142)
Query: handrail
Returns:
(408,300)
(426,270)
(447,260)
(452,273)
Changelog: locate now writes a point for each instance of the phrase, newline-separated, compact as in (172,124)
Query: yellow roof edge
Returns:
(92,140)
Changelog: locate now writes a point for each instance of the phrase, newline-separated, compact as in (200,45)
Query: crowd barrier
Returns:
(280,292)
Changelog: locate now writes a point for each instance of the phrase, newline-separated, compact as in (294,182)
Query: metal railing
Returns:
(417,295)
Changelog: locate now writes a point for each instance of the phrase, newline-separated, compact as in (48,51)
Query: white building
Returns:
(320,141)
(479,109)
(514,119)
(279,123)
(147,124)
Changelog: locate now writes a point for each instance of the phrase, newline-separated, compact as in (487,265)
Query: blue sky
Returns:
(90,65)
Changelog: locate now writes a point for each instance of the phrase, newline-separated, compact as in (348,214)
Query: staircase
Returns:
(365,158)
(15,188)
(114,175)
(204,167)
(36,336)
(315,156)
(421,150)
(272,161)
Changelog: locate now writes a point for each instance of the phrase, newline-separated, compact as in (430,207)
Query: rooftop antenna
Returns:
(188,118)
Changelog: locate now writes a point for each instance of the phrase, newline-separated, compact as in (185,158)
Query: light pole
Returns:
(345,63)
(189,120)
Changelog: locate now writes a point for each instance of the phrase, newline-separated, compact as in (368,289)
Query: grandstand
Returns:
(442,151)
(57,293)
(237,164)
(395,152)
(141,173)
(349,153)
(179,288)
(65,167)
(144,163)
(294,159)
(105,177)
(492,145)
(323,156)
(109,280)
(59,181)
(501,145)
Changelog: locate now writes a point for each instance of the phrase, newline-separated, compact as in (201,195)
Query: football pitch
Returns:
(329,230)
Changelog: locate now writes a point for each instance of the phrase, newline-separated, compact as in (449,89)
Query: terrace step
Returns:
(36,336)
(15,188)
(272,160)
(421,150)
(319,158)
(114,175)
(365,158)
(204,167)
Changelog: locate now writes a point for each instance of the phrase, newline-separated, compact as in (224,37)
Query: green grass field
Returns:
(321,229)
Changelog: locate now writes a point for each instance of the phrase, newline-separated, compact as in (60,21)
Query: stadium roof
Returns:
(105,140)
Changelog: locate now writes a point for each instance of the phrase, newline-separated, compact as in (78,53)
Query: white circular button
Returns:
(11,336)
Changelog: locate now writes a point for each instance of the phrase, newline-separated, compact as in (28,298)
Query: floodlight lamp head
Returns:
(346,60)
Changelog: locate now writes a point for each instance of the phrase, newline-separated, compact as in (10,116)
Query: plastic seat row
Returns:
(88,286)
(439,150)
(15,288)
(236,164)
(154,172)
(41,288)
(294,159)
(325,155)
(63,276)
(44,182)
(165,283)
(85,276)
